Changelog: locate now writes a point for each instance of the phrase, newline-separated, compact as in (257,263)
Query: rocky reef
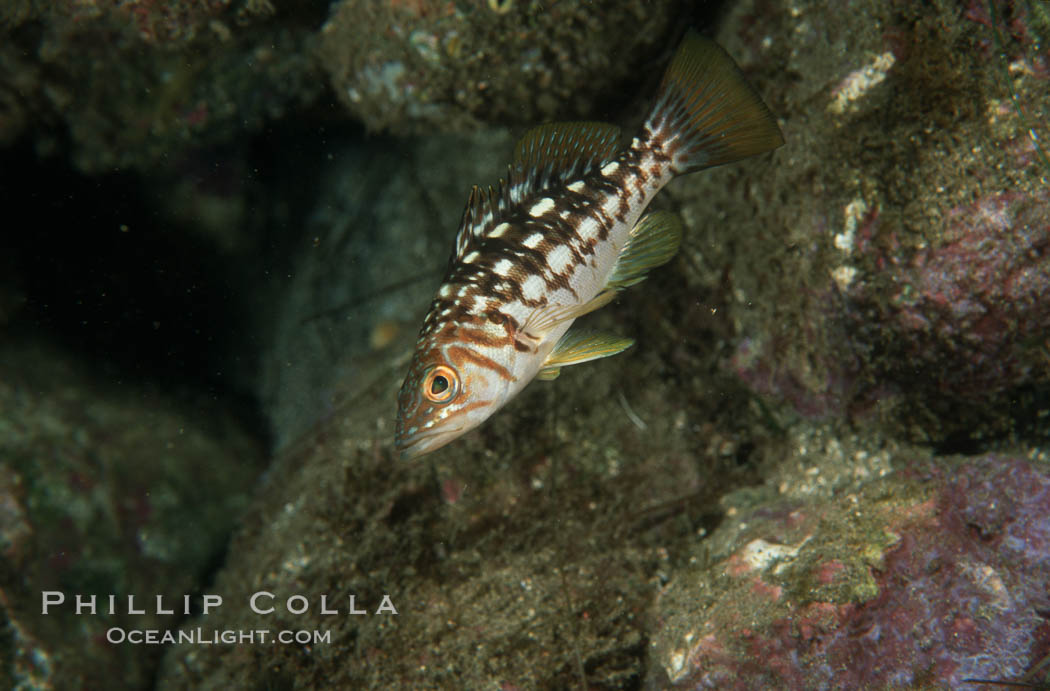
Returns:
(107,489)
(916,260)
(427,65)
(141,84)
(824,464)
(135,84)
(929,576)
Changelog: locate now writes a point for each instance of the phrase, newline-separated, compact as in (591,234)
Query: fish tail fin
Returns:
(706,114)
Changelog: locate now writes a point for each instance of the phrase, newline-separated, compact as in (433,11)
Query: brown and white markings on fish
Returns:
(560,238)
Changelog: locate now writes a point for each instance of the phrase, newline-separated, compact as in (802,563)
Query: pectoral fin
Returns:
(578,346)
(548,373)
(546,318)
(653,242)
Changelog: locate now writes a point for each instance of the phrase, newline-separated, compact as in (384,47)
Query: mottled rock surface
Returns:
(897,256)
(925,578)
(524,556)
(430,65)
(106,489)
(767,486)
(777,412)
(136,84)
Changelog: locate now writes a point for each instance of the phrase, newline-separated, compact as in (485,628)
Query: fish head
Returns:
(448,392)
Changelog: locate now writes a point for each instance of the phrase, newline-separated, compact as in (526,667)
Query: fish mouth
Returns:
(419,444)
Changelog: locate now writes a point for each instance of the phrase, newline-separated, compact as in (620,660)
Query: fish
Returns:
(560,237)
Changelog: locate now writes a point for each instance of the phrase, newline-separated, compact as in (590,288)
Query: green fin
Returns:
(705,102)
(546,318)
(653,242)
(578,346)
(548,373)
(560,152)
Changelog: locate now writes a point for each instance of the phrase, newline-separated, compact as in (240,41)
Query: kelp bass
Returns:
(560,237)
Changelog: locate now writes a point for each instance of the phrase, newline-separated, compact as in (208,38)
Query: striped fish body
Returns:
(560,238)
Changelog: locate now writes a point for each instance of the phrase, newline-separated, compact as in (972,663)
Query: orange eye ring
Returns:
(440,384)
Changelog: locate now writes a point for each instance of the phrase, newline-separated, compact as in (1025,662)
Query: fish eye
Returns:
(440,384)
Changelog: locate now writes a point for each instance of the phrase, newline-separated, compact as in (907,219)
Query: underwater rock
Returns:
(105,490)
(133,84)
(430,65)
(490,549)
(926,577)
(491,590)
(971,310)
(523,556)
(894,255)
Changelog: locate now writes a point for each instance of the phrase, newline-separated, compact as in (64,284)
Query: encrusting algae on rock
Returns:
(560,238)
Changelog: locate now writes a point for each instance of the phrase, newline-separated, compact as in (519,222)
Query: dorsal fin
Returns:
(560,152)
(483,208)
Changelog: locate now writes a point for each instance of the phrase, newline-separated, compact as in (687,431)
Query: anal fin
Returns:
(653,242)
(578,346)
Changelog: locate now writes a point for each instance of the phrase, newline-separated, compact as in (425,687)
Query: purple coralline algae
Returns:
(926,578)
(895,256)
(971,311)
